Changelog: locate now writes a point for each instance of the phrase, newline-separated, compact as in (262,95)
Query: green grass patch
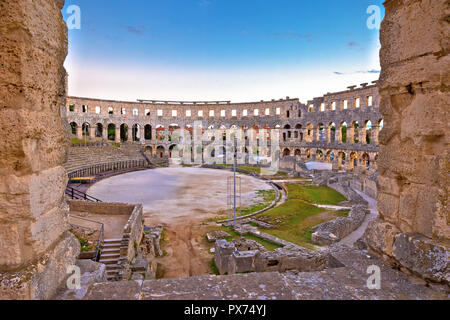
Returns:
(251,169)
(294,220)
(234,235)
(213,267)
(85,246)
(75,140)
(266,198)
(315,194)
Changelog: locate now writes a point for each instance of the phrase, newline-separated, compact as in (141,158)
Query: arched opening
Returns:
(124,132)
(73,127)
(160,132)
(332,129)
(174,151)
(309,132)
(355,132)
(148,132)
(321,132)
(286,152)
(368,129)
(85,129)
(99,130)
(344,130)
(308,153)
(160,151)
(319,155)
(366,161)
(298,153)
(112,132)
(172,128)
(341,158)
(354,160)
(136,133)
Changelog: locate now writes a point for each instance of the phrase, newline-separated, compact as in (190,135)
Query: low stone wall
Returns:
(101,207)
(344,188)
(333,231)
(132,236)
(242,256)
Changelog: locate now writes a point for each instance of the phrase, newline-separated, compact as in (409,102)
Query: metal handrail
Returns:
(78,195)
(100,238)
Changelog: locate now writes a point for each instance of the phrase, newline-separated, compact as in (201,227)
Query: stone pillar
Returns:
(80,132)
(35,245)
(351,134)
(375,134)
(130,133)
(338,134)
(413,228)
(92,132)
(105,133)
(117,133)
(362,134)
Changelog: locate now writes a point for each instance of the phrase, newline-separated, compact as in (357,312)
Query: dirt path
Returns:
(187,252)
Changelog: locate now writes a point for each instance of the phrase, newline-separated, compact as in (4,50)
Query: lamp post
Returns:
(234,180)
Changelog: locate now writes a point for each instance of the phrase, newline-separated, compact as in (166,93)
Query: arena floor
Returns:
(179,199)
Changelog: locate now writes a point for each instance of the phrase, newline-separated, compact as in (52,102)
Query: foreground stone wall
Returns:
(413,229)
(35,246)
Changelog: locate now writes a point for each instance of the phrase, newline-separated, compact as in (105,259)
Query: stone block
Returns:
(426,257)
(380,236)
(217,235)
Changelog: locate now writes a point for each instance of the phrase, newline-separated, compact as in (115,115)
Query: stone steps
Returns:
(79,158)
(110,257)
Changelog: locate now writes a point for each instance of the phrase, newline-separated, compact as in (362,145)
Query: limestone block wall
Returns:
(413,229)
(35,247)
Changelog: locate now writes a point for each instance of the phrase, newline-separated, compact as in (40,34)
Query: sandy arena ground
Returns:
(178,199)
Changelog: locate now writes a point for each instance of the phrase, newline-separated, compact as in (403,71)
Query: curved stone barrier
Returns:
(275,186)
(335,230)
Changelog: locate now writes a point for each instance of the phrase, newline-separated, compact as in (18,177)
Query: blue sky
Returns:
(239,50)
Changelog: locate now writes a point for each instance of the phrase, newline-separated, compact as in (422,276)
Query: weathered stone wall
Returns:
(335,230)
(242,255)
(35,246)
(413,228)
(101,208)
(133,232)
(306,130)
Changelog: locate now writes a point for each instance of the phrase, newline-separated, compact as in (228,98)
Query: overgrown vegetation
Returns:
(234,235)
(294,219)
(76,140)
(315,194)
(213,267)
(84,243)
(266,198)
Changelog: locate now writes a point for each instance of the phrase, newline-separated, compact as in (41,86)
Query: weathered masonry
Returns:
(413,230)
(340,127)
(35,245)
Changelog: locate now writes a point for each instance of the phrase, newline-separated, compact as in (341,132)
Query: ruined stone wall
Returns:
(35,246)
(306,130)
(413,228)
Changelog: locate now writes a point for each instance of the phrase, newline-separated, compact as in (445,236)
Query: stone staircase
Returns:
(110,257)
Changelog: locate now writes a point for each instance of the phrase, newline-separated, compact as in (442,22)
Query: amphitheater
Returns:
(108,189)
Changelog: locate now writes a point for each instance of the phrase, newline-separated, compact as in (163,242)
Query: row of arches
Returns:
(112,132)
(341,159)
(351,133)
